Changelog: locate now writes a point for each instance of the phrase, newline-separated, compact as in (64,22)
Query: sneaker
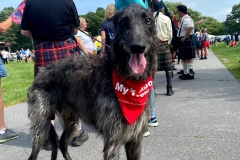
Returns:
(180,72)
(8,135)
(187,77)
(153,122)
(79,140)
(146,134)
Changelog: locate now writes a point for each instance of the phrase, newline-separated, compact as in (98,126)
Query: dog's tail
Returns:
(41,128)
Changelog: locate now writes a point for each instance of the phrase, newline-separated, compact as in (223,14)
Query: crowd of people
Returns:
(20,56)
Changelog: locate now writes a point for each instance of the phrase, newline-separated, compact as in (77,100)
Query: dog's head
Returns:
(134,48)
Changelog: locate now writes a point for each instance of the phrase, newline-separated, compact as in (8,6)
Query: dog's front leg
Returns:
(111,150)
(133,149)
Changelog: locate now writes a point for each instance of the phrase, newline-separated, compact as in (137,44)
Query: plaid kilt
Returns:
(48,52)
(164,59)
(187,49)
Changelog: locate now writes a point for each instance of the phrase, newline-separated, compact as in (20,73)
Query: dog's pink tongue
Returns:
(137,63)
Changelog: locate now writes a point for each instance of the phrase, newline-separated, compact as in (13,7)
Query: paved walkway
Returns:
(201,121)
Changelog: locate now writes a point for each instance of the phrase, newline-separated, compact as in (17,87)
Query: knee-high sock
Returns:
(169,78)
(152,102)
(190,68)
(185,69)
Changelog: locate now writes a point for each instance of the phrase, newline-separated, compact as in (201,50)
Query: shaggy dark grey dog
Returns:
(81,88)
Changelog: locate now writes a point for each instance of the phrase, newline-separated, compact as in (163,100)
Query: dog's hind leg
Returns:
(54,142)
(35,150)
(69,121)
(133,149)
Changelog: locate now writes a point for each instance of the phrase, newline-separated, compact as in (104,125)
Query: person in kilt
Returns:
(164,34)
(187,47)
(52,28)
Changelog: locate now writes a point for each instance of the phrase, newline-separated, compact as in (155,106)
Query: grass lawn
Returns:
(230,57)
(18,80)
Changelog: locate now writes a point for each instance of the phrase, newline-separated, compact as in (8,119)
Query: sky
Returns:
(217,9)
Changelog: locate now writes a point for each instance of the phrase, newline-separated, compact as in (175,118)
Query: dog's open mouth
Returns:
(137,63)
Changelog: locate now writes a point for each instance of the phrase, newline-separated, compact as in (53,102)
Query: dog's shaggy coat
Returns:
(81,88)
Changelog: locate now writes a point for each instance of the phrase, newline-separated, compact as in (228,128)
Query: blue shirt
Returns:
(121,4)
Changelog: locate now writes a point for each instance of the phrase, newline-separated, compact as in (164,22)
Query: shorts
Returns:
(3,72)
(205,44)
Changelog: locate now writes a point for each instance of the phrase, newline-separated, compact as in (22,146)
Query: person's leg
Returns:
(2,123)
(153,122)
(169,83)
(5,134)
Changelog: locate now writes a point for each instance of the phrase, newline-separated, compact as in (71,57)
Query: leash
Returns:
(91,37)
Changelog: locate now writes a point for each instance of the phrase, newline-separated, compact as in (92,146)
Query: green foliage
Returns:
(94,21)
(18,80)
(233,20)
(230,58)
(5,13)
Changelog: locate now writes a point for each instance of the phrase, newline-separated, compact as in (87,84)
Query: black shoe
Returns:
(169,91)
(180,72)
(187,77)
(182,76)
(205,57)
(79,140)
(201,58)
(47,145)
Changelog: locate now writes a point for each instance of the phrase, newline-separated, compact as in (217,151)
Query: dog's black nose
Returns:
(137,48)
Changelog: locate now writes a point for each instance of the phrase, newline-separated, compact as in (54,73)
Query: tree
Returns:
(94,20)
(233,20)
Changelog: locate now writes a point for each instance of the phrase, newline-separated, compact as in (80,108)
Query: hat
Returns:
(157,4)
(182,8)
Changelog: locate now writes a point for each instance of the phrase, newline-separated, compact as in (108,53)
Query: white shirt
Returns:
(186,22)
(87,41)
(4,54)
(164,27)
(27,53)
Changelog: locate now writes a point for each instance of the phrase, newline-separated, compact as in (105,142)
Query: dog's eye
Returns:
(148,21)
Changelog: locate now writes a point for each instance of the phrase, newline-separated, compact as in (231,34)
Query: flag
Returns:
(16,15)
(201,20)
(175,22)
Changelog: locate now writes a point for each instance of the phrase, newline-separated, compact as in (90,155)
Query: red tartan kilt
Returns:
(48,52)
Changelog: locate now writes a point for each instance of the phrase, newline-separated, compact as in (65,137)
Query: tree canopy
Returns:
(233,19)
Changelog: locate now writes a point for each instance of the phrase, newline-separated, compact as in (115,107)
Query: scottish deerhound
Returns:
(82,88)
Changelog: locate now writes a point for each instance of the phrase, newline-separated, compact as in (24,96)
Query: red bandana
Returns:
(132,96)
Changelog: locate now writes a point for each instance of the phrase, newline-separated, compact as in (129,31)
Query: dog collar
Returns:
(132,96)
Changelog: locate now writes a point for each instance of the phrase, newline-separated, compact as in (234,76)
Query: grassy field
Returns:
(20,75)
(230,57)
(18,80)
